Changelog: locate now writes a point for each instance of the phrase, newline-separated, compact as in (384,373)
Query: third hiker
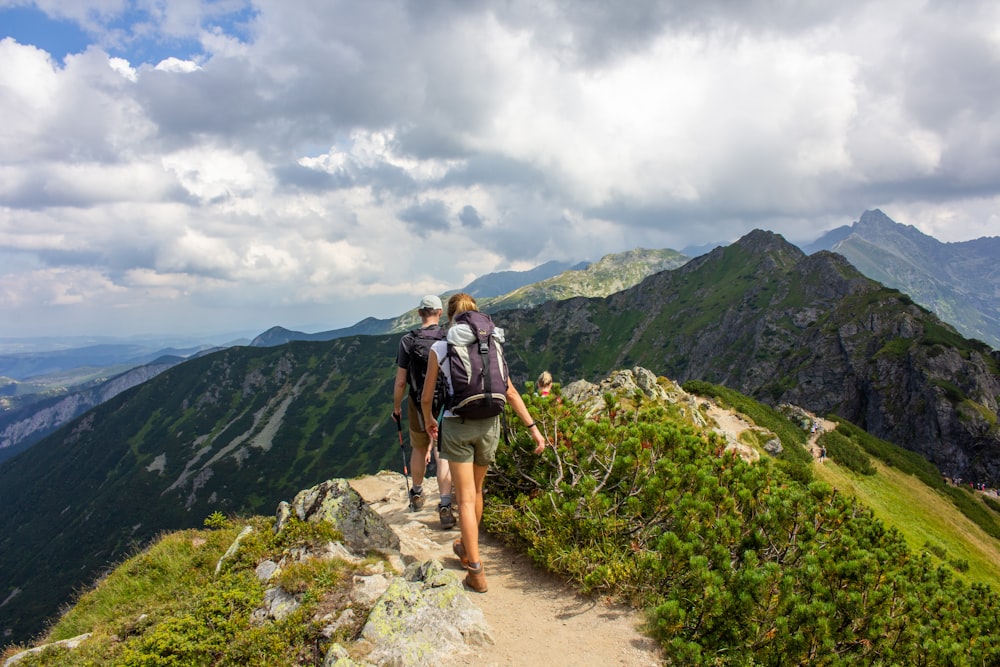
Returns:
(411,367)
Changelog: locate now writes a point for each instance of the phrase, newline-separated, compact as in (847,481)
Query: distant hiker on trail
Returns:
(478,387)
(544,384)
(411,367)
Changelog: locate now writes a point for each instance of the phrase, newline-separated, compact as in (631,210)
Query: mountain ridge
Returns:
(960,281)
(501,282)
(21,427)
(763,318)
(609,274)
(867,243)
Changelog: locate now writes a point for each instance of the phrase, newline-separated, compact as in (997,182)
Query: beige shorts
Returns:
(418,436)
(472,441)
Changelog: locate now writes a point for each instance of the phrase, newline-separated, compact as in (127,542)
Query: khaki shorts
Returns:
(472,441)
(418,436)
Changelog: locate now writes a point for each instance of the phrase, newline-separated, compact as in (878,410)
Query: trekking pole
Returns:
(406,470)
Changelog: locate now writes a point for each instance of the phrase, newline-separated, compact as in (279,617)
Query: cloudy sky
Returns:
(208,166)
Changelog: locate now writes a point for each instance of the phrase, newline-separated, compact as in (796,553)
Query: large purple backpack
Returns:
(478,371)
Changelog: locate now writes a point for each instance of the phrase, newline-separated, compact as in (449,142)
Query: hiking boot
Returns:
(416,500)
(447,516)
(476,579)
(459,550)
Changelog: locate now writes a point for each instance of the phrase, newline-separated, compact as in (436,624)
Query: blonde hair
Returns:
(459,303)
(545,379)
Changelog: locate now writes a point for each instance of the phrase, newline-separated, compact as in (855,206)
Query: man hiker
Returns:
(411,367)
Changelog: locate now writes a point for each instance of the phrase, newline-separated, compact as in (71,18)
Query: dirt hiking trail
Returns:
(536,619)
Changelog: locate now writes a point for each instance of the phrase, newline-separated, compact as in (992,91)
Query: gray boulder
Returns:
(424,618)
(336,502)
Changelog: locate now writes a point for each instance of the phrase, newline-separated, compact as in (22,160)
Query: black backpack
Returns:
(478,371)
(417,370)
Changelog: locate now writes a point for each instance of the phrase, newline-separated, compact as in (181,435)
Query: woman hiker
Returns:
(544,385)
(469,445)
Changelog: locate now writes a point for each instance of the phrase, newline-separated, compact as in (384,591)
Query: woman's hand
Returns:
(540,441)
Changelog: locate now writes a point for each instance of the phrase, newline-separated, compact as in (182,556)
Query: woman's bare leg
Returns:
(468,482)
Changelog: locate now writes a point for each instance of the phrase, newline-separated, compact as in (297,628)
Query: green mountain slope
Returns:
(611,274)
(235,431)
(926,519)
(502,282)
(761,317)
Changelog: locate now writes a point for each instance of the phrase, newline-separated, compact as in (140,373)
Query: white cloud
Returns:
(177,65)
(329,161)
(210,174)
(123,67)
(55,287)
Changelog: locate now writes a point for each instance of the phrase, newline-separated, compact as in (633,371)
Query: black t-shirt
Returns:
(406,345)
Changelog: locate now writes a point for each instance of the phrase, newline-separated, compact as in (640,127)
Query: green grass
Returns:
(846,452)
(922,514)
(168,606)
(156,579)
(914,464)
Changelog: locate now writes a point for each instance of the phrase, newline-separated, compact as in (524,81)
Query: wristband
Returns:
(531,424)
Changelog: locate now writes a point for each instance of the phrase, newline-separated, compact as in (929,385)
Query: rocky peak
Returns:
(828,276)
(904,241)
(772,248)
(875,218)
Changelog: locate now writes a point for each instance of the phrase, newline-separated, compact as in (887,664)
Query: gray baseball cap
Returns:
(430,302)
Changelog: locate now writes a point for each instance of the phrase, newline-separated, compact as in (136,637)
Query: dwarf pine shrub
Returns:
(843,450)
(734,563)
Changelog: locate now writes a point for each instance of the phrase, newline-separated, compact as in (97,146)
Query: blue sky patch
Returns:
(132,35)
(29,25)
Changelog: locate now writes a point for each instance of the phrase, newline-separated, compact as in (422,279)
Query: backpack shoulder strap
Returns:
(436,333)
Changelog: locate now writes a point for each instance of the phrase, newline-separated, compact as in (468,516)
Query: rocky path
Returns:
(814,448)
(535,619)
(735,423)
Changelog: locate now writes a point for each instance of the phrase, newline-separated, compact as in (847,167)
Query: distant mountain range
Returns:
(483,287)
(960,282)
(55,386)
(611,274)
(21,427)
(552,281)
(502,282)
(239,429)
(22,366)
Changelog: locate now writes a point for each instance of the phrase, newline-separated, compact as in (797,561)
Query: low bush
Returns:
(846,452)
(734,563)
